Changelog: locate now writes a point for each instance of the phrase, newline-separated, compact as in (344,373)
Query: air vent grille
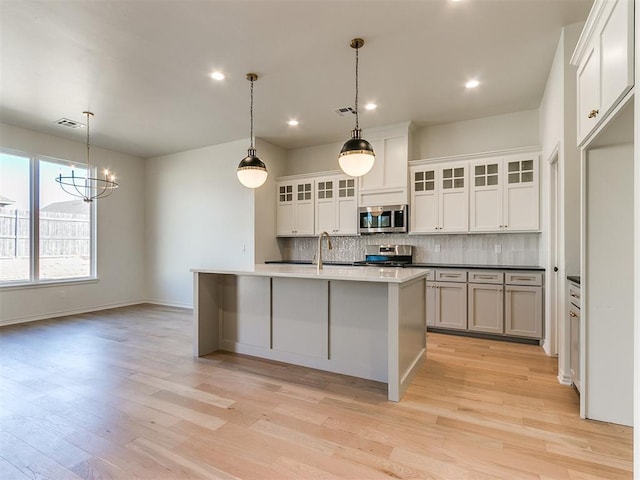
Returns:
(342,111)
(65,122)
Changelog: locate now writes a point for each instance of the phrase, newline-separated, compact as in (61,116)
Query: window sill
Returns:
(47,283)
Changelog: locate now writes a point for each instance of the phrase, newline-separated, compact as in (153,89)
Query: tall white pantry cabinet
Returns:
(606,64)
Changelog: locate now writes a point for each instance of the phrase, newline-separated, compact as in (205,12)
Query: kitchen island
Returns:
(367,322)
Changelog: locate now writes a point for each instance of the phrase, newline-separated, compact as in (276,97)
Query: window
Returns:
(45,237)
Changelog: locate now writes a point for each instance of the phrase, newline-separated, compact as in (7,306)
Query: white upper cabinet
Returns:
(295,209)
(504,193)
(604,60)
(336,205)
(386,183)
(439,198)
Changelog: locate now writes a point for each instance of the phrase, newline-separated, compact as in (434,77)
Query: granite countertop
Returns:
(574,278)
(422,265)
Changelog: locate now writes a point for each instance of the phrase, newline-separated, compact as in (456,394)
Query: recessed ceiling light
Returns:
(371,106)
(472,84)
(293,123)
(217,75)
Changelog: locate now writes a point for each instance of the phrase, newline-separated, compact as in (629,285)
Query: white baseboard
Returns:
(65,313)
(564,379)
(169,304)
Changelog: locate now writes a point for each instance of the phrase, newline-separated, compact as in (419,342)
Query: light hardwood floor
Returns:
(117,394)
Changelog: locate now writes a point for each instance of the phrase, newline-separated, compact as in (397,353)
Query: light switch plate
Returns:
(437,248)
(498,248)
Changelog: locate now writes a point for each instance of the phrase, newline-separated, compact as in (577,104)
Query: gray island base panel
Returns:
(360,321)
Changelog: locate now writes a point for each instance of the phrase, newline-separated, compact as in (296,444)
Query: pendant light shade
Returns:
(252,172)
(357,156)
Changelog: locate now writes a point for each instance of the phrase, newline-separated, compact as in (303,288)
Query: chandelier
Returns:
(356,157)
(85,186)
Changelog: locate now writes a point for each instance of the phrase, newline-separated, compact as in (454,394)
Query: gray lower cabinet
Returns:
(574,329)
(486,308)
(506,303)
(451,305)
(431,304)
(523,311)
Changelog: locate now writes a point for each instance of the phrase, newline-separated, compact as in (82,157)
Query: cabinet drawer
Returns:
(523,278)
(486,276)
(574,312)
(451,276)
(574,294)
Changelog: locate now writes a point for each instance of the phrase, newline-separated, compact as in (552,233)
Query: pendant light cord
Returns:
(88,144)
(357,119)
(251,112)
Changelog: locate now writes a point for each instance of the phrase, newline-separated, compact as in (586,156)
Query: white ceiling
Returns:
(142,66)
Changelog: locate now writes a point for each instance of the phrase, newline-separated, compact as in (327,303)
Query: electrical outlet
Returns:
(498,248)
(62,294)
(437,248)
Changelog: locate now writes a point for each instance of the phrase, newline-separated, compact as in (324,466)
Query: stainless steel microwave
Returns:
(384,219)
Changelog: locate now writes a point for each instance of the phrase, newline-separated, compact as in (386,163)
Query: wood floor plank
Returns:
(117,394)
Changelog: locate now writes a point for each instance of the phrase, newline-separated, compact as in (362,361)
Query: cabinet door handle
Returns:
(487,277)
(593,113)
(575,296)
(523,279)
(571,314)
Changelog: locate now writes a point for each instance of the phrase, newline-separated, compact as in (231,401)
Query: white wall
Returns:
(121,219)
(200,216)
(318,158)
(558,137)
(499,132)
(266,245)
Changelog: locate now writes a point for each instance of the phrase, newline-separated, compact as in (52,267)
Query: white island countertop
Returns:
(329,272)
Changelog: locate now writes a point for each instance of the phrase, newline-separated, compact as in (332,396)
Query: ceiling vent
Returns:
(65,122)
(342,111)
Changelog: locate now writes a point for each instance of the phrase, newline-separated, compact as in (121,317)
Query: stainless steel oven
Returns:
(384,219)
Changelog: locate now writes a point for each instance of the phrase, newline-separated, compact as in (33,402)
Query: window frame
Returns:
(34,225)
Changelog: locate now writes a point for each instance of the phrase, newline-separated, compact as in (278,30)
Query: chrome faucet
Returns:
(319,256)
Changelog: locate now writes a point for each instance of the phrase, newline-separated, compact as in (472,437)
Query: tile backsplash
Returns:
(479,249)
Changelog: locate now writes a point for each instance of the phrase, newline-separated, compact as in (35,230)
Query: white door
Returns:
(285,212)
(304,211)
(485,196)
(424,200)
(325,206)
(453,198)
(588,91)
(521,193)
(347,207)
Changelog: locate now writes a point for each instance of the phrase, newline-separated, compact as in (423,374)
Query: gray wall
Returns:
(200,216)
(121,238)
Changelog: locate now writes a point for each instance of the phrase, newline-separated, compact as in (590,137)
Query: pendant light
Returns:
(87,187)
(357,156)
(252,172)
